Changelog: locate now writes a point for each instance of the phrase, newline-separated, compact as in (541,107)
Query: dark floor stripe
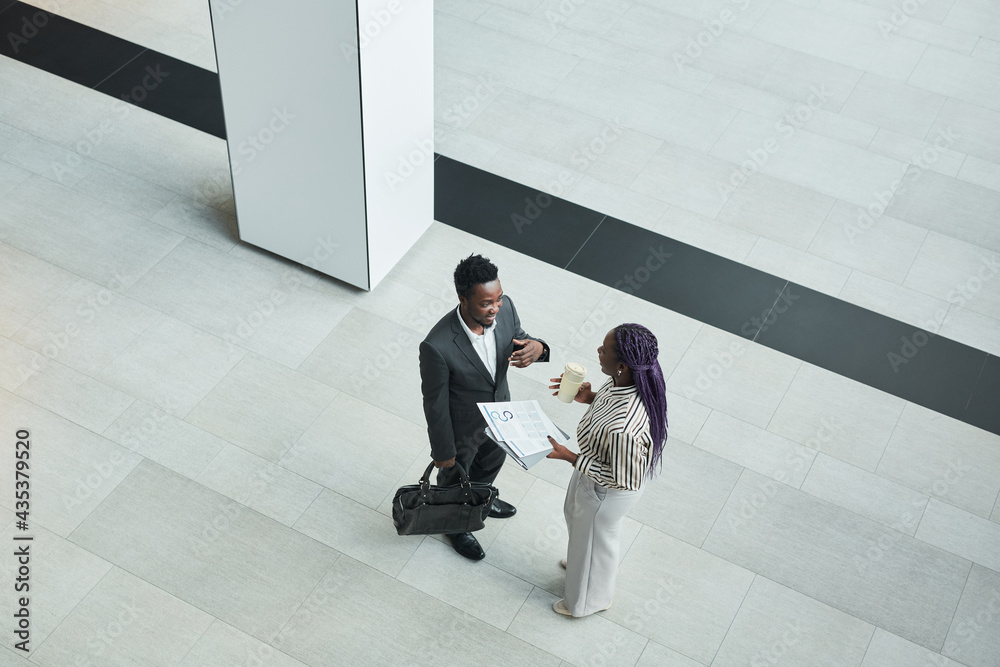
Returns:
(932,371)
(928,370)
(92,58)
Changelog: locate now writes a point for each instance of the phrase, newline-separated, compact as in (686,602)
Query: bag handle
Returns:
(425,478)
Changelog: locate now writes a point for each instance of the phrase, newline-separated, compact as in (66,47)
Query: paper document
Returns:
(521,428)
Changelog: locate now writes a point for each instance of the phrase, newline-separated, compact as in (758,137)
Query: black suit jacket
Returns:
(453,379)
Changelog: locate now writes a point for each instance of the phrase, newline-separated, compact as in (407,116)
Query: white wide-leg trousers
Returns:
(594,516)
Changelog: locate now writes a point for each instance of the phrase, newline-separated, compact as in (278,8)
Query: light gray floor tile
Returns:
(517,63)
(838,40)
(165,439)
(223,644)
(981,172)
(974,638)
(888,650)
(944,458)
(580,641)
(480,589)
(93,240)
(11,176)
(813,413)
(123,621)
(466,9)
(840,128)
(17,364)
(729,374)
(581,41)
(596,18)
(243,568)
(655,109)
(53,162)
(380,348)
(962,273)
(459,97)
(172,365)
(618,202)
(272,315)
(987,49)
(806,159)
(12,659)
(259,484)
(260,405)
(364,617)
(71,473)
(950,206)
(881,246)
(893,105)
(536,172)
(866,494)
(776,210)
(754,448)
(87,326)
(198,221)
(358,531)
(31,283)
(464,146)
(969,127)
(678,595)
(747,98)
(841,559)
(61,574)
(657,655)
(796,75)
(937,152)
(959,76)
(358,450)
(125,191)
(685,178)
(967,535)
(776,624)
(801,268)
(706,233)
(966,326)
(900,303)
(685,498)
(517,24)
(75,396)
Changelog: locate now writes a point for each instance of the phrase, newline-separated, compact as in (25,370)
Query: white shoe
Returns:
(559,607)
(562,563)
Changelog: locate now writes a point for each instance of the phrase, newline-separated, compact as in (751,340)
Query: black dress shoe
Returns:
(502,510)
(467,545)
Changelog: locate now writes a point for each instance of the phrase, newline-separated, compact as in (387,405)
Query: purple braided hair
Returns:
(637,348)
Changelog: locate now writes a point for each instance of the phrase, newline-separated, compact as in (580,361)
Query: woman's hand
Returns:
(561,452)
(583,394)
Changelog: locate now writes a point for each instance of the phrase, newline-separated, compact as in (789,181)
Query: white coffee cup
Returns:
(572,378)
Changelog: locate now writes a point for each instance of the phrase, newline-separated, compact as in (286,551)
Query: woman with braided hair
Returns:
(621,438)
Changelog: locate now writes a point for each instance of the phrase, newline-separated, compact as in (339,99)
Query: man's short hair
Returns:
(471,271)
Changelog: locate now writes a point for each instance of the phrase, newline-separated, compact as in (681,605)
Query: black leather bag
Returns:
(426,509)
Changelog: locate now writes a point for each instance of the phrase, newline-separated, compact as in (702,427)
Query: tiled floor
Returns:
(211,465)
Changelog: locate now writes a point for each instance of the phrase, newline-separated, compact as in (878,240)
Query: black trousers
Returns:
(479,455)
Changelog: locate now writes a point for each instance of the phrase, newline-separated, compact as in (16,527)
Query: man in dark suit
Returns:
(464,361)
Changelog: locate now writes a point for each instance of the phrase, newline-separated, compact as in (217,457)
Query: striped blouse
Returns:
(614,438)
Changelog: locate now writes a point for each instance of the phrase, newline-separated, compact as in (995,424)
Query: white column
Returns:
(329,114)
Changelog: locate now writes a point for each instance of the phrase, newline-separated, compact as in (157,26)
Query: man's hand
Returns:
(528,354)
(445,464)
